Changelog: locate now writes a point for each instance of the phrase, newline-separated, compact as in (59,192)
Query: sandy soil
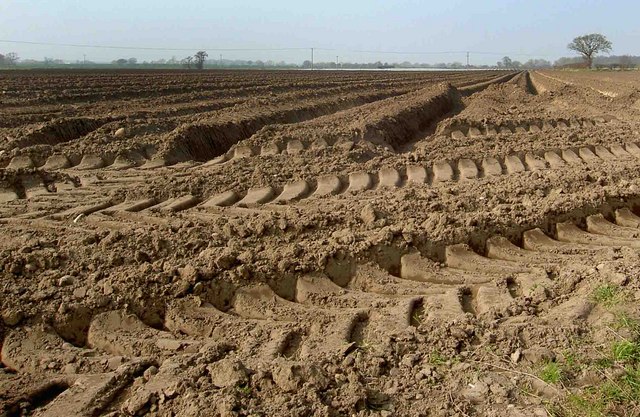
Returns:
(331,244)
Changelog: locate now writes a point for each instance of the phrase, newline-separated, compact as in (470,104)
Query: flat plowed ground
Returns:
(319,243)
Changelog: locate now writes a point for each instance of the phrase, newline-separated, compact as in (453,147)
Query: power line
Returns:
(361,51)
(430,52)
(147,48)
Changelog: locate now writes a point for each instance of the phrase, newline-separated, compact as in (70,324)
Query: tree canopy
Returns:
(9,59)
(200,57)
(590,45)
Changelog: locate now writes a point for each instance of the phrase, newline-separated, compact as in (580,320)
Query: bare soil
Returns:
(319,243)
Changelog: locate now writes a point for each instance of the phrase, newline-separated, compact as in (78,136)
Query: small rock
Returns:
(543,389)
(137,403)
(344,236)
(70,369)
(107,288)
(189,273)
(537,354)
(120,132)
(348,361)
(66,280)
(171,392)
(12,317)
(169,344)
(181,288)
(149,372)
(368,214)
(226,261)
(114,362)
(288,377)
(228,373)
(198,288)
(244,271)
(476,393)
(80,292)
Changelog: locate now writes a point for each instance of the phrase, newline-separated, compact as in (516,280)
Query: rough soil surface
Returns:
(331,244)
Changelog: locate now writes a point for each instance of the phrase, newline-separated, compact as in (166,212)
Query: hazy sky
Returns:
(504,27)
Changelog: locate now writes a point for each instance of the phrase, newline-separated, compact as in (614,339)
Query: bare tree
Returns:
(507,62)
(200,57)
(11,59)
(590,45)
(187,62)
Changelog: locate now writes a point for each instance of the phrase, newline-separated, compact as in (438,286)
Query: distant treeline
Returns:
(12,60)
(611,61)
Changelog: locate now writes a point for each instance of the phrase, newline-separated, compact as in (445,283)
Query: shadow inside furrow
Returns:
(60,131)
(207,140)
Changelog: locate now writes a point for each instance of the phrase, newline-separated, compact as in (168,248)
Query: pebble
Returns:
(12,317)
(169,344)
(189,273)
(198,288)
(149,372)
(120,132)
(80,292)
(226,261)
(65,281)
(70,368)
(368,214)
(115,362)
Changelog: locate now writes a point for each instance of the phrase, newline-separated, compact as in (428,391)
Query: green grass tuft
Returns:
(436,358)
(624,321)
(608,295)
(551,373)
(244,389)
(625,351)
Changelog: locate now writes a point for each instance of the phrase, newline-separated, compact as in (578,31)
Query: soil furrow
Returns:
(355,316)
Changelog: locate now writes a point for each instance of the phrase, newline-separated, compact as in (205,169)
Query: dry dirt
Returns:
(319,243)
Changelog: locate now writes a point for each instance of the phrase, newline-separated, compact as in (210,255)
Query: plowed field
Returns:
(319,243)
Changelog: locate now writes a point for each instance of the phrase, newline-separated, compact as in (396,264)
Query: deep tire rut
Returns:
(32,187)
(322,320)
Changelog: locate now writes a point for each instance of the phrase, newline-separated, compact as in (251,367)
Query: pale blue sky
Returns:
(537,28)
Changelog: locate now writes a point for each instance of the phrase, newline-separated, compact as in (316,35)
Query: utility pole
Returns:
(84,59)
(311,59)
(220,60)
(467,59)
(337,62)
